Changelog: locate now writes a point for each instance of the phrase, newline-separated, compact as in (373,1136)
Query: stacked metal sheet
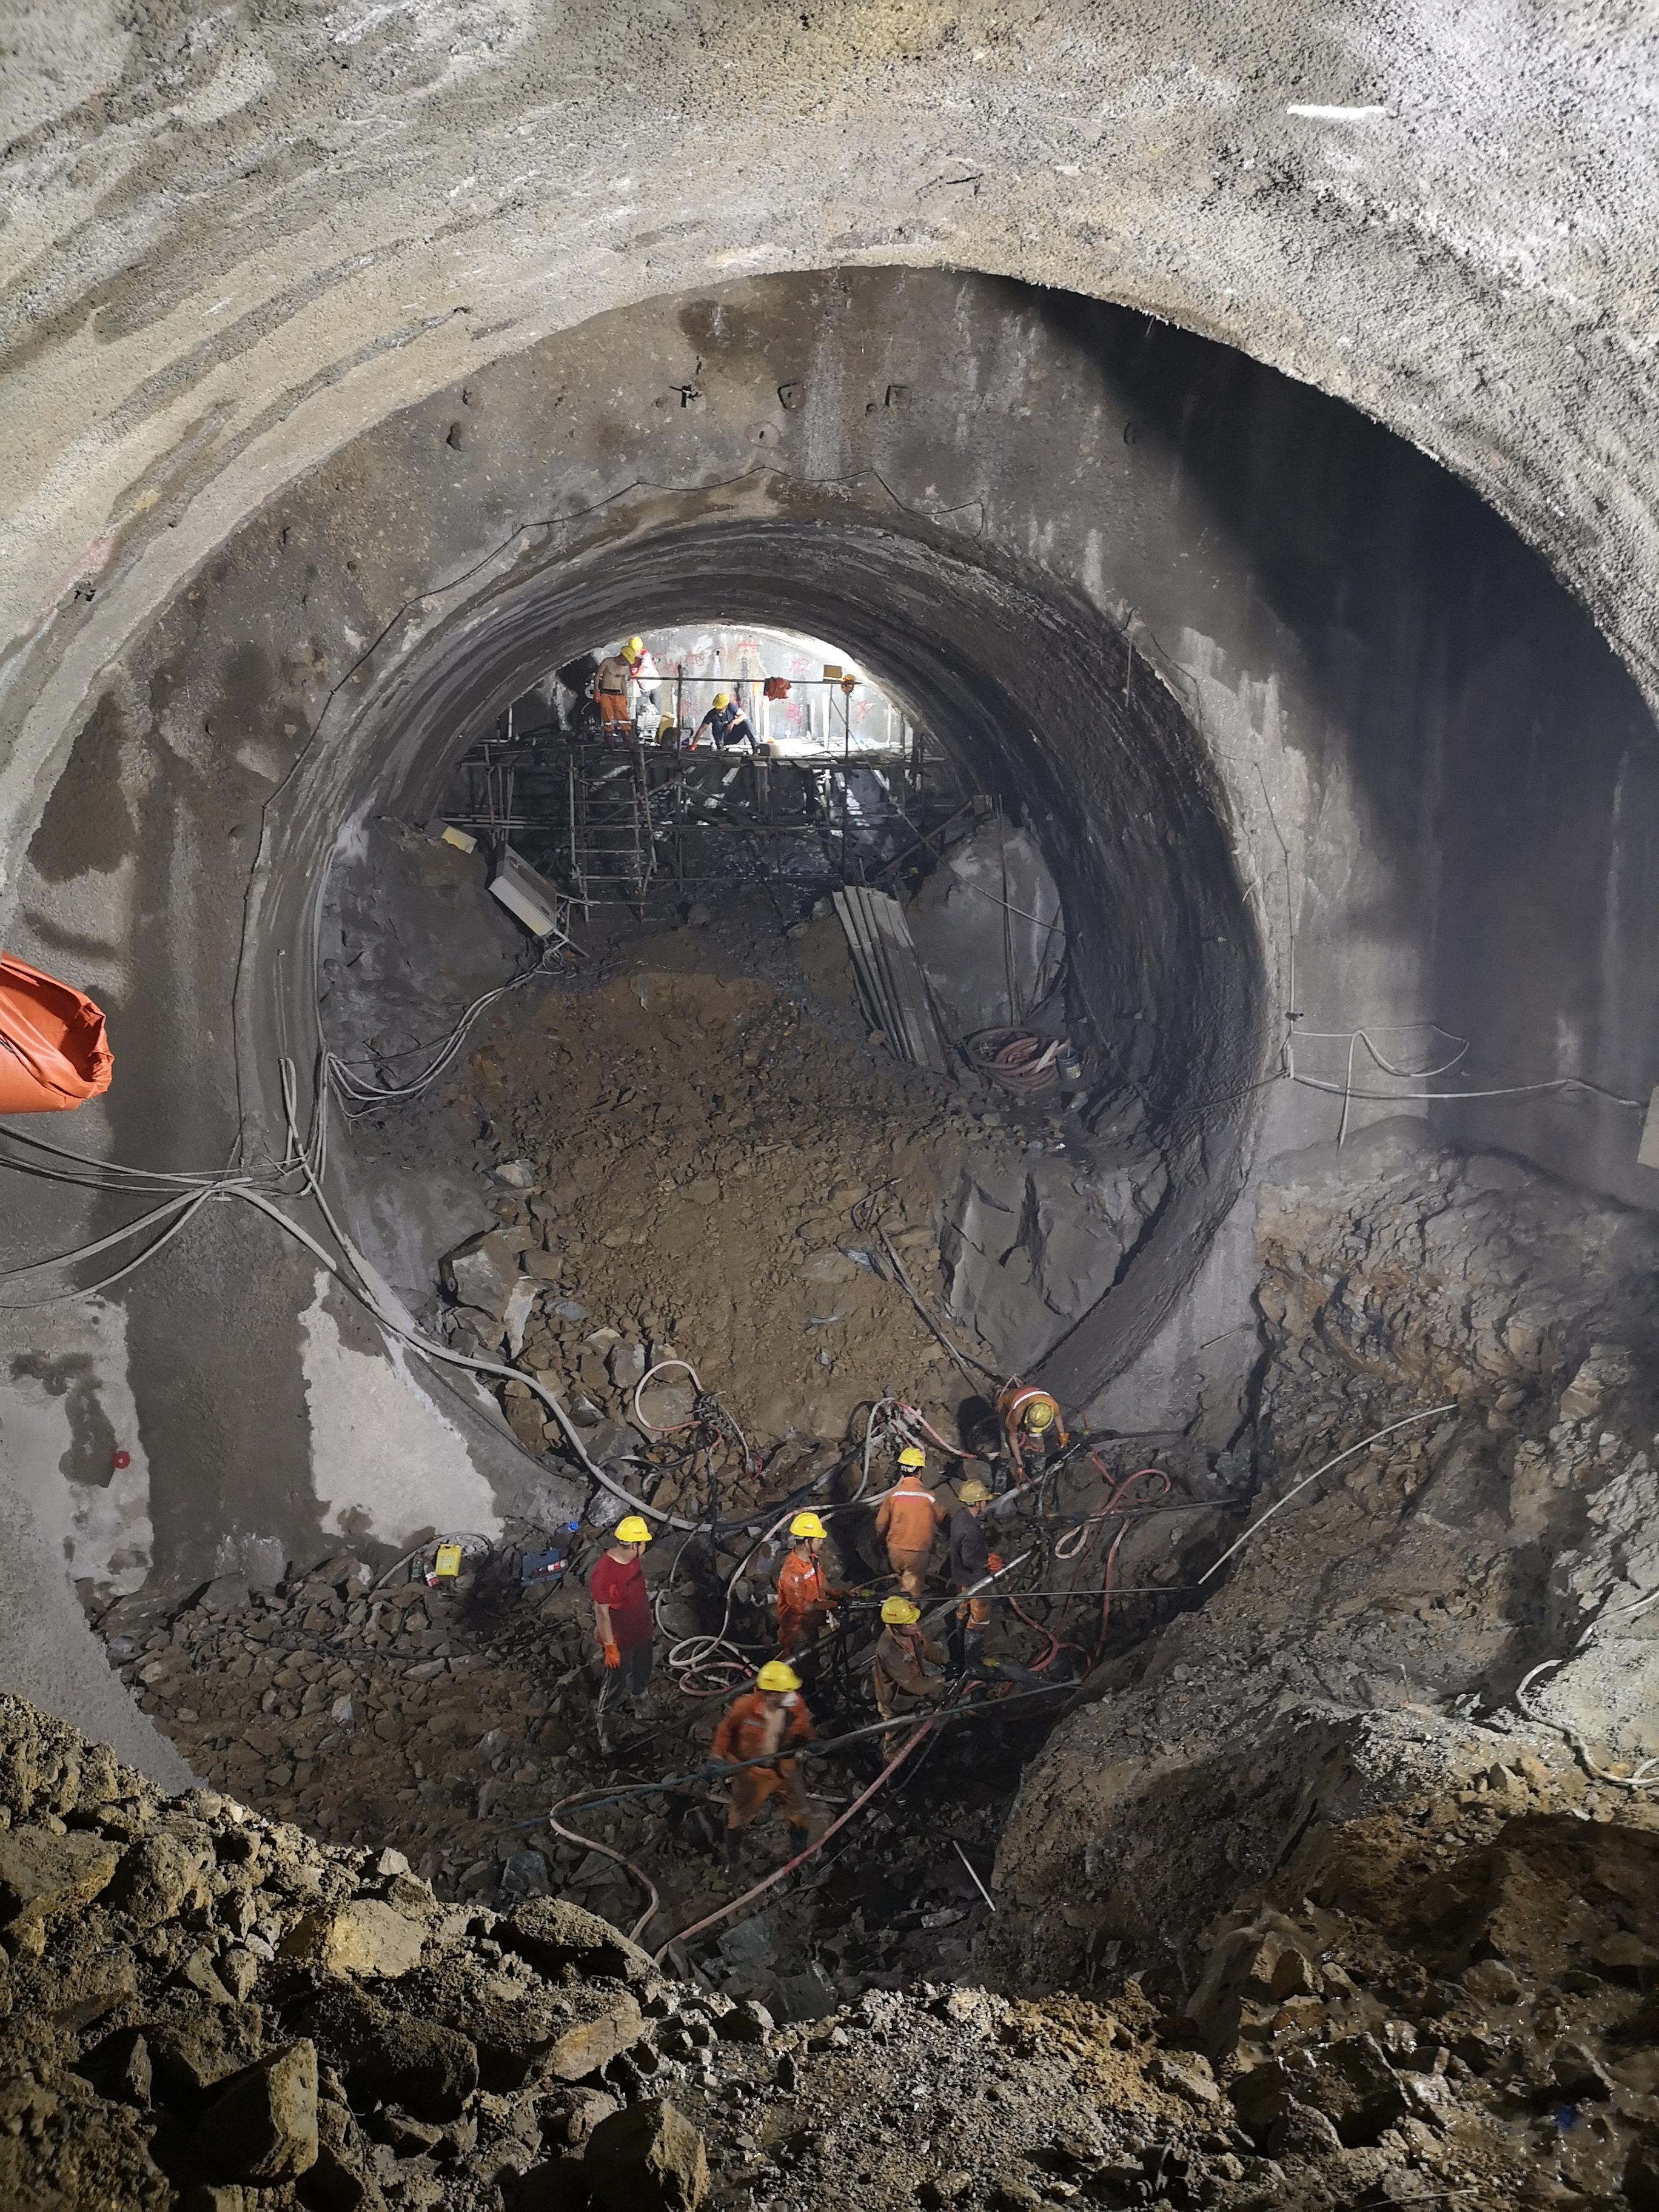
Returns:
(891,985)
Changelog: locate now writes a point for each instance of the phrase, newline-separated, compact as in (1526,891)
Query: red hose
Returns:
(606,1852)
(800,1858)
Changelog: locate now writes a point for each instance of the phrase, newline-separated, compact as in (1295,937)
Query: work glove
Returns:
(995,1561)
(613,1655)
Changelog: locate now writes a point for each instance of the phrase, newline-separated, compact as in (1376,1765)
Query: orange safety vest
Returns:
(801,1587)
(909,1516)
(1013,1402)
(750,1727)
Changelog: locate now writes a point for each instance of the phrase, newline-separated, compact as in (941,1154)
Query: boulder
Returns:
(553,1934)
(120,2067)
(628,1364)
(480,1272)
(195,2050)
(646,2159)
(520,1304)
(1349,2081)
(564,2036)
(364,1937)
(42,1875)
(263,2127)
(427,2069)
(1189,2076)
(161,1874)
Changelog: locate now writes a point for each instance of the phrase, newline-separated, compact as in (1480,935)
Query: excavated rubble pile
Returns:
(670,1147)
(205,2009)
(1406,1951)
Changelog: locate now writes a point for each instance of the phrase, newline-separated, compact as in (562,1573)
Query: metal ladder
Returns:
(612,853)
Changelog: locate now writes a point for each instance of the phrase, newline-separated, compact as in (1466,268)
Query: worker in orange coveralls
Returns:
(1031,1424)
(772,1717)
(906,1521)
(804,1596)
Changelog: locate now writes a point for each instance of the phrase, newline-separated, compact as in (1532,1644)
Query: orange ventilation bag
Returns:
(53,1052)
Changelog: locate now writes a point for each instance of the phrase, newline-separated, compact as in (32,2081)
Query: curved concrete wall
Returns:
(1221,637)
(239,244)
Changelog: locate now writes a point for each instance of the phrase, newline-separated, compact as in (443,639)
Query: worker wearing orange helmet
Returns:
(804,1596)
(1031,1424)
(908,1520)
(770,1719)
(621,1608)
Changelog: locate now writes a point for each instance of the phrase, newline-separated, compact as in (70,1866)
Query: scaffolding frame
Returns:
(627,820)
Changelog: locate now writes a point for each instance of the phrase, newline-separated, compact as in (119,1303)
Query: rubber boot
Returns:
(973,1651)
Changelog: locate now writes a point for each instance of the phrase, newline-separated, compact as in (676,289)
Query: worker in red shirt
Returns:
(906,1521)
(622,1607)
(771,1717)
(804,1596)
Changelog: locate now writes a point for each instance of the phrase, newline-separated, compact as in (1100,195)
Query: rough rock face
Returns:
(1369,1641)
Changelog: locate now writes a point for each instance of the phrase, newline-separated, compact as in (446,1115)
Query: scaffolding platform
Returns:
(622,824)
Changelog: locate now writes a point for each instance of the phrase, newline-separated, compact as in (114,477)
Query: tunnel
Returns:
(1238,521)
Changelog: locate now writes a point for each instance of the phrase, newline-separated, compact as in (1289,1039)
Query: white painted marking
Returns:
(101,1529)
(380,1448)
(1334,114)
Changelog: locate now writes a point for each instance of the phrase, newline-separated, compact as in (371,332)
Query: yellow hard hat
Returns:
(775,1675)
(899,1611)
(1039,1414)
(806,1524)
(722,698)
(973,1492)
(636,645)
(913,1456)
(632,1530)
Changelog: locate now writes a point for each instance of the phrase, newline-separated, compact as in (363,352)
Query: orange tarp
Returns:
(53,1052)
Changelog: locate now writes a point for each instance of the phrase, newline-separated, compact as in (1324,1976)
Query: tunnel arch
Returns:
(1026,683)
(1342,669)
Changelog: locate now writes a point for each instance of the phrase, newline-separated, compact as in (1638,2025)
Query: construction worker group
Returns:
(627,691)
(910,1671)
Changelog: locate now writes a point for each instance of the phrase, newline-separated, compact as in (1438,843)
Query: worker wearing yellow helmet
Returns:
(726,724)
(971,1563)
(804,1596)
(907,1520)
(622,1607)
(646,677)
(611,682)
(762,1724)
(1031,1424)
(909,1669)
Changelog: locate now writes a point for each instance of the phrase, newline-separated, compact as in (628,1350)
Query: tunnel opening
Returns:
(713,1223)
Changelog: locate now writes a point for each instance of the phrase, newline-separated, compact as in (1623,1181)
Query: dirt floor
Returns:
(692,1145)
(702,1148)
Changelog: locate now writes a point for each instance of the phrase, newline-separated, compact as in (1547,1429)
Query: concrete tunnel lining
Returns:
(1033,691)
(1354,642)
